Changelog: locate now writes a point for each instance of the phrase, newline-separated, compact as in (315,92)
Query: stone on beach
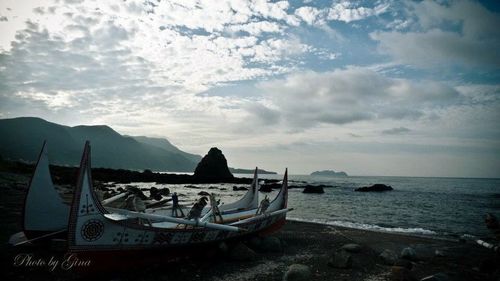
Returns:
(388,257)
(352,248)
(400,273)
(240,252)
(439,253)
(404,263)
(271,244)
(340,259)
(297,272)
(409,254)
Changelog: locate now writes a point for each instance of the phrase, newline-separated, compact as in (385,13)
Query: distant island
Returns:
(250,171)
(329,173)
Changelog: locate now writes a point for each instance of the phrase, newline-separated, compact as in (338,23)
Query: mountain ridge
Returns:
(22,139)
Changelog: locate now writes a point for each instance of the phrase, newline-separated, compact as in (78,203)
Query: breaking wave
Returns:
(370,227)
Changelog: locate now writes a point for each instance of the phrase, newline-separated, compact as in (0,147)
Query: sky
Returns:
(395,88)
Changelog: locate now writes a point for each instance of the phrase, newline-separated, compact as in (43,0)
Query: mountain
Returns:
(329,173)
(22,138)
(250,171)
(165,144)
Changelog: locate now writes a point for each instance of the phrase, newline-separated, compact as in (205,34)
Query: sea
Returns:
(445,207)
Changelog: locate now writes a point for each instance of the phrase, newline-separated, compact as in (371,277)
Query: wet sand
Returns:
(304,243)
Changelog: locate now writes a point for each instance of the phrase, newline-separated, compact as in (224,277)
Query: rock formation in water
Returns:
(213,167)
(313,189)
(329,173)
(378,187)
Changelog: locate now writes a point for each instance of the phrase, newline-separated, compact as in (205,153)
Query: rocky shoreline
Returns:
(299,251)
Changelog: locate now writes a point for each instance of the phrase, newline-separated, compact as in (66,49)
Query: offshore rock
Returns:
(297,272)
(378,187)
(154,193)
(313,189)
(265,188)
(213,167)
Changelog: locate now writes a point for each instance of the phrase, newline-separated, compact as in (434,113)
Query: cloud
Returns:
(351,95)
(462,33)
(344,12)
(396,131)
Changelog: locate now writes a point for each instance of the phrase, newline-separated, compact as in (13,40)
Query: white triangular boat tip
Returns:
(44,209)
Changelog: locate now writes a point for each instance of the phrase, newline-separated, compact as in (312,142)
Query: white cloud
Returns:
(469,42)
(350,95)
(256,28)
(343,11)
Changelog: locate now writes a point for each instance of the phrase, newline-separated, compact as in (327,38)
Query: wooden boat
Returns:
(96,231)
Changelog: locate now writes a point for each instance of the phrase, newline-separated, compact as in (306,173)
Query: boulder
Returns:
(154,193)
(340,259)
(297,272)
(439,253)
(213,167)
(404,263)
(409,254)
(271,244)
(388,257)
(313,189)
(352,248)
(223,248)
(137,192)
(255,243)
(240,252)
(400,273)
(164,191)
(378,187)
(436,277)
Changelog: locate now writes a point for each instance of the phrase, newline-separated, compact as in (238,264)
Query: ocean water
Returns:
(429,206)
(425,206)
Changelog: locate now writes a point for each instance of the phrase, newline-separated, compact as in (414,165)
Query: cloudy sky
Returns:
(368,87)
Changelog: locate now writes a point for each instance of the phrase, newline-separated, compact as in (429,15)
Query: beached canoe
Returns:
(94,229)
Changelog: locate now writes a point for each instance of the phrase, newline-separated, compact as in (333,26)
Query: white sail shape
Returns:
(249,201)
(44,209)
